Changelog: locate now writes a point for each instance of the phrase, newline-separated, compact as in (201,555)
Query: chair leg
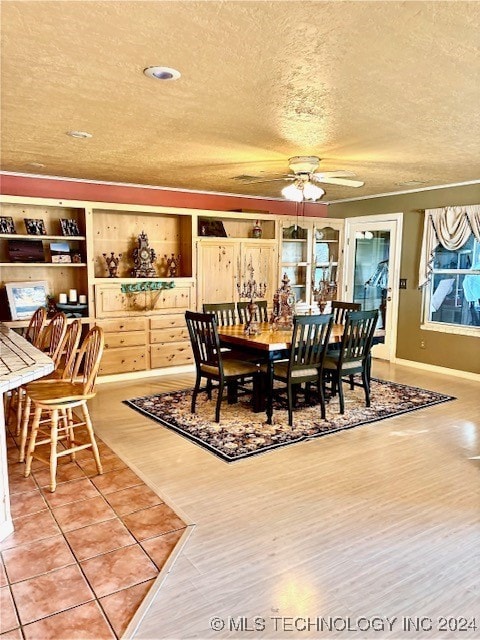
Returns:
(219,401)
(24,431)
(290,404)
(366,386)
(321,395)
(352,386)
(209,388)
(53,449)
(20,396)
(88,424)
(32,441)
(195,392)
(340,394)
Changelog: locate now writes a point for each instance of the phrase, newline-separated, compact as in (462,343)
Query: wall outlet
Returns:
(422,344)
(403,283)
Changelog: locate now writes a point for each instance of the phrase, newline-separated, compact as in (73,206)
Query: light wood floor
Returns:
(382,520)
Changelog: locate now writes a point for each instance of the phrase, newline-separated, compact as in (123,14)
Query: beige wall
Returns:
(441,349)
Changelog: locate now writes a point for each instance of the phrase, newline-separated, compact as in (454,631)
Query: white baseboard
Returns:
(433,368)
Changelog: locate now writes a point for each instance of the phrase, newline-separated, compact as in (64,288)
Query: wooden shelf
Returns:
(42,264)
(23,236)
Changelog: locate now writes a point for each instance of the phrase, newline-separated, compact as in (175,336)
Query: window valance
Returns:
(449,226)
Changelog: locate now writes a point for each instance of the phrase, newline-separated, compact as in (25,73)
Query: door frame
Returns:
(365,223)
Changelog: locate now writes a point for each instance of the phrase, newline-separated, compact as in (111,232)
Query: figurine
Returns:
(112,264)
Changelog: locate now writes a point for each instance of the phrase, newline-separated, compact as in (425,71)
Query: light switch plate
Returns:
(403,283)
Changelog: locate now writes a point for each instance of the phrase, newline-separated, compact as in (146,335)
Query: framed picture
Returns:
(69,227)
(26,251)
(7,225)
(24,298)
(35,226)
(60,252)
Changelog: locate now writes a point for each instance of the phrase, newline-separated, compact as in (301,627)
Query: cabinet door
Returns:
(263,258)
(217,271)
(326,257)
(296,257)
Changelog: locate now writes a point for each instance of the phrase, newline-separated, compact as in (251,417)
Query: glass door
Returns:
(371,274)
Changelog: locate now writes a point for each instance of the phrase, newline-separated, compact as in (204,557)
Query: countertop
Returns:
(20,362)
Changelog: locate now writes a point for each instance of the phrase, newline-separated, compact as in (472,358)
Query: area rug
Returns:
(242,433)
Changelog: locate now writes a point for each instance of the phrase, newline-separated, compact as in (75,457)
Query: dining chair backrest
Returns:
(53,335)
(340,310)
(310,338)
(88,359)
(357,335)
(224,312)
(35,327)
(69,347)
(244,315)
(202,328)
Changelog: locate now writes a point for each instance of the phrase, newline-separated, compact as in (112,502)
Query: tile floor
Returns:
(82,559)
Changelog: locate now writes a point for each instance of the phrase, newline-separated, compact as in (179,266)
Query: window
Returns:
(451,266)
(455,286)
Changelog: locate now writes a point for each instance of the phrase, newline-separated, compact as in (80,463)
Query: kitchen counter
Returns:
(20,362)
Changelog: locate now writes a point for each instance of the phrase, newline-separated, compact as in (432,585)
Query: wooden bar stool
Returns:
(64,362)
(58,400)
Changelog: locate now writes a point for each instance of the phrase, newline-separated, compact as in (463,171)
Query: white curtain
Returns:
(449,226)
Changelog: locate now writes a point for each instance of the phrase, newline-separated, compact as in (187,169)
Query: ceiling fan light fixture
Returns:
(292,192)
(312,192)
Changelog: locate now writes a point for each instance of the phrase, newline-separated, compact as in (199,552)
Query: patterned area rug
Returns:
(242,433)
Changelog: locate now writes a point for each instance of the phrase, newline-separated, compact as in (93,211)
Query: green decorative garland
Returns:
(147,285)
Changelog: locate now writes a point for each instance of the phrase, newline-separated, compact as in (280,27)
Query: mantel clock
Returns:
(143,258)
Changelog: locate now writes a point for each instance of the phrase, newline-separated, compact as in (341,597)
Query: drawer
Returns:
(176,298)
(123,360)
(168,321)
(124,339)
(122,324)
(176,334)
(170,354)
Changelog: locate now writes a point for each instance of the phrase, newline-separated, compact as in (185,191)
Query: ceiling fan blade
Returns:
(345,182)
(341,173)
(288,179)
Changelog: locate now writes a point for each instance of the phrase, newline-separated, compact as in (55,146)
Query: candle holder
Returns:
(327,289)
(173,265)
(112,264)
(253,290)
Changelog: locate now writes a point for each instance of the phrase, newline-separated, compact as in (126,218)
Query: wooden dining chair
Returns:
(57,401)
(353,356)
(224,312)
(210,362)
(35,327)
(310,338)
(340,310)
(243,315)
(63,370)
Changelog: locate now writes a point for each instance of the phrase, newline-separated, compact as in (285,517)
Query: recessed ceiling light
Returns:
(162,73)
(79,134)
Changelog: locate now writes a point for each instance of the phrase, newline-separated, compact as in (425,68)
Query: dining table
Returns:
(270,345)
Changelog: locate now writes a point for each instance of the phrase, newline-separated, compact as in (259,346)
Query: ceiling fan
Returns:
(304,178)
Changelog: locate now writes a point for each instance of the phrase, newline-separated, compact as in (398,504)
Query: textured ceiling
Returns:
(388,90)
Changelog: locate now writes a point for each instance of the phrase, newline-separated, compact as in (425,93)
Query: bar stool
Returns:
(58,401)
(64,363)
